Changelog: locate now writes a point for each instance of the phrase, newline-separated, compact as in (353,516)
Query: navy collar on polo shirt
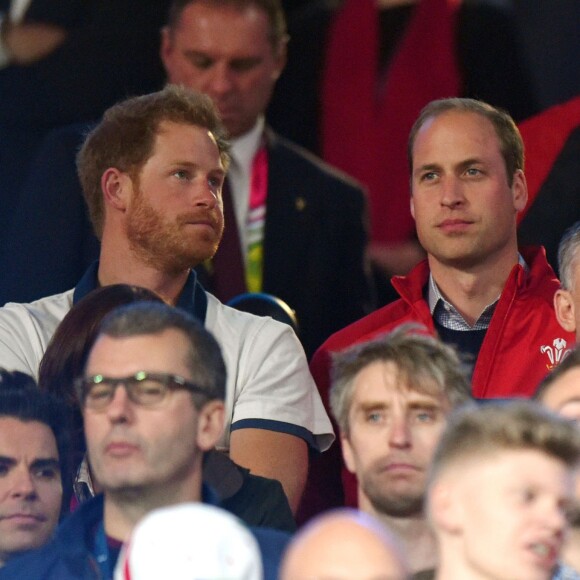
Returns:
(193,298)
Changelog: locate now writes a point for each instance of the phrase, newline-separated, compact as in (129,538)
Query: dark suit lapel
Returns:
(284,223)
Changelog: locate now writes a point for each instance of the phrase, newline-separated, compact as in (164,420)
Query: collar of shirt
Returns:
(14,13)
(565,572)
(448,316)
(242,153)
(83,483)
(18,9)
(192,297)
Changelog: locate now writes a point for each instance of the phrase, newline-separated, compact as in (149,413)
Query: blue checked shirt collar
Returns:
(445,314)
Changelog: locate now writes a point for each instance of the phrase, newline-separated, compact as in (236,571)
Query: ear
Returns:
(564,307)
(347,453)
(166,47)
(117,188)
(519,190)
(210,424)
(445,513)
(280,57)
(412,205)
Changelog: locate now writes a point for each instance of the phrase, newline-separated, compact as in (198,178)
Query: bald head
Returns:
(341,545)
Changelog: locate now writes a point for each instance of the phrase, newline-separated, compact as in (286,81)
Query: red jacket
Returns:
(523,342)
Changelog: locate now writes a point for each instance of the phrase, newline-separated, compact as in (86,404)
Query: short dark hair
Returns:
(272,8)
(126,135)
(569,255)
(511,143)
(20,398)
(205,360)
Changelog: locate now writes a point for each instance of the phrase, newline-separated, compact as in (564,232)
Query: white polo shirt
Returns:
(269,385)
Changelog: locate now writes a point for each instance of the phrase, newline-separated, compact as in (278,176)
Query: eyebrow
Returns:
(462,164)
(575,399)
(372,406)
(190,52)
(182,163)
(192,165)
(469,162)
(42,463)
(424,405)
(572,401)
(195,53)
(39,462)
(426,168)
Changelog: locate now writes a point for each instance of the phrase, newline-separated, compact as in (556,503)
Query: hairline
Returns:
(277,31)
(397,347)
(494,115)
(28,420)
(487,441)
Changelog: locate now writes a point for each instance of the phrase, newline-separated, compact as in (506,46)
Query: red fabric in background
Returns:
(365,132)
(544,137)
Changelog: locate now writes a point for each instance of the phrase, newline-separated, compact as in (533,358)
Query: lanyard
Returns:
(256,220)
(102,552)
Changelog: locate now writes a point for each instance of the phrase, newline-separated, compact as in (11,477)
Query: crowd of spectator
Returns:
(286,301)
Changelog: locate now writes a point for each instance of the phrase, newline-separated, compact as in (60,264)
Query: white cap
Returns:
(190,541)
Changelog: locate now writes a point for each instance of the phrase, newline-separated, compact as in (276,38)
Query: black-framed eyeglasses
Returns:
(143,388)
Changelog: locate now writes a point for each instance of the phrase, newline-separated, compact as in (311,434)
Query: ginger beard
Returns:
(172,245)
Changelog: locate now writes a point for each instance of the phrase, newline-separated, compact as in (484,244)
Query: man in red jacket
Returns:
(475,290)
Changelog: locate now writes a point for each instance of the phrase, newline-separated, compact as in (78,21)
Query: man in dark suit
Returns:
(300,225)
(297,227)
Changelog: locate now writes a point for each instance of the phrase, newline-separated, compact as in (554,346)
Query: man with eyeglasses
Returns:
(152,398)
